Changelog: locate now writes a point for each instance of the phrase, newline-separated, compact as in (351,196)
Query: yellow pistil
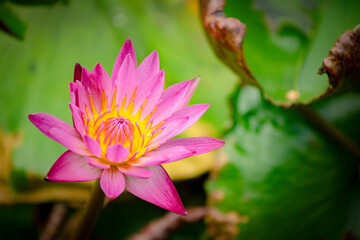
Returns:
(120,125)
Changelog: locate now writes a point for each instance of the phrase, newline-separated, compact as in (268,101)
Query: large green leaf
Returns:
(35,74)
(286,178)
(11,23)
(280,45)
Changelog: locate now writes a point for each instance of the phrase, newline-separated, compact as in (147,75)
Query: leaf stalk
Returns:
(329,129)
(90,213)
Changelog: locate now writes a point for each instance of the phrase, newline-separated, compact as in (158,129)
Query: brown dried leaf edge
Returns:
(343,63)
(226,37)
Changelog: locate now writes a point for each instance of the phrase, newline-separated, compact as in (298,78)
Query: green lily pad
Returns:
(285,178)
(279,46)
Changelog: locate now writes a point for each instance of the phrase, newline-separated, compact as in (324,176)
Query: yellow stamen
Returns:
(87,113)
(113,100)
(103,102)
(119,125)
(95,114)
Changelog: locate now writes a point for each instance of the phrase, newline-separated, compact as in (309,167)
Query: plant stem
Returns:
(162,227)
(90,213)
(329,129)
(56,219)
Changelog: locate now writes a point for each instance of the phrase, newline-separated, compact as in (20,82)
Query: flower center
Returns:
(115,130)
(116,124)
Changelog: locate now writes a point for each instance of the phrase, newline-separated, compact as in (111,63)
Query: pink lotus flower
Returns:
(123,127)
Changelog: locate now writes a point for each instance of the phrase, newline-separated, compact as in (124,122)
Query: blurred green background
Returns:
(36,70)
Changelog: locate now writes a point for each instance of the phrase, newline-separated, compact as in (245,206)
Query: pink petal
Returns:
(179,122)
(161,155)
(148,68)
(59,131)
(198,145)
(158,190)
(169,101)
(176,149)
(193,111)
(112,182)
(169,130)
(92,145)
(105,84)
(74,97)
(96,162)
(126,49)
(77,72)
(126,80)
(151,90)
(78,119)
(79,97)
(102,79)
(189,93)
(71,167)
(117,153)
(74,144)
(135,171)
(86,81)
(92,88)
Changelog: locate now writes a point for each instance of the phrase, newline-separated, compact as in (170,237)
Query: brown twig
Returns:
(161,228)
(55,221)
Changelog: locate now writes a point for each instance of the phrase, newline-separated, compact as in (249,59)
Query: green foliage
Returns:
(18,180)
(286,177)
(9,20)
(286,41)
(38,71)
(11,23)
(290,180)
